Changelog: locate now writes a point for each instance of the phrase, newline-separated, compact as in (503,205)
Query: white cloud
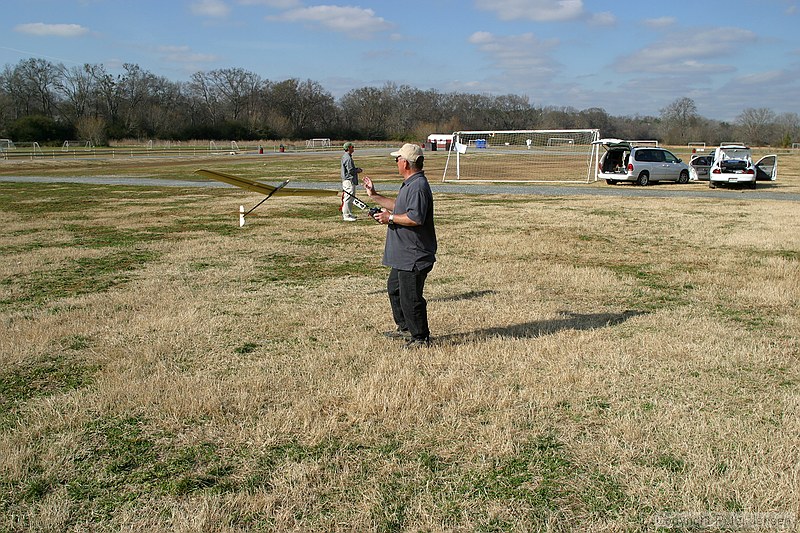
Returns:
(52,30)
(522,58)
(536,10)
(770,77)
(353,21)
(210,8)
(183,54)
(661,22)
(688,52)
(603,19)
(278,4)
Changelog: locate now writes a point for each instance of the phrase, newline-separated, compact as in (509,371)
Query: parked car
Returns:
(624,161)
(733,164)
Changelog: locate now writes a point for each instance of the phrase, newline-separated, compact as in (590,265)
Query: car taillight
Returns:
(716,171)
(750,171)
(630,167)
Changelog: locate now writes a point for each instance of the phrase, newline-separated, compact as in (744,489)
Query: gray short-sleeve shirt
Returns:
(409,247)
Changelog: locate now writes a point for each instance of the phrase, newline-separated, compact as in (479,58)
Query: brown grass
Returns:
(598,361)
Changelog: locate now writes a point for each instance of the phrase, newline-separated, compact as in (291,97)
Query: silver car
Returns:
(623,161)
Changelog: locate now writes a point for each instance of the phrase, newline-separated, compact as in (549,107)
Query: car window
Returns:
(669,157)
(649,156)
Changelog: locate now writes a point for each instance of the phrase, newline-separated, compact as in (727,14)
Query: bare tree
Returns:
(306,105)
(559,117)
(40,77)
(237,90)
(510,111)
(202,90)
(31,87)
(367,111)
(755,125)
(678,120)
(109,94)
(788,126)
(77,87)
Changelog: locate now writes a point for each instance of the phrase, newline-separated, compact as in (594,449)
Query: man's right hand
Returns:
(368,185)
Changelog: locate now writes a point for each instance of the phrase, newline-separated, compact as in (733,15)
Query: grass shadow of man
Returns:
(539,328)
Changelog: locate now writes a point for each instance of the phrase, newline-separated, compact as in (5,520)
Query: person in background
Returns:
(349,182)
(410,249)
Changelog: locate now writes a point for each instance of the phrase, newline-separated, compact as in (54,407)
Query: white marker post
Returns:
(241,216)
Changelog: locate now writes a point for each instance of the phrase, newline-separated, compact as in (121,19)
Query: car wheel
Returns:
(712,185)
(643,179)
(684,177)
(611,182)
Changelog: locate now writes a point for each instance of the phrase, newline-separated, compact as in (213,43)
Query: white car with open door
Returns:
(733,164)
(699,165)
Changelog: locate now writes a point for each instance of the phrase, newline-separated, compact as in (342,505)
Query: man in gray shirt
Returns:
(349,182)
(410,249)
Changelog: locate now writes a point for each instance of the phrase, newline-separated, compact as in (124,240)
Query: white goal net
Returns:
(318,143)
(522,156)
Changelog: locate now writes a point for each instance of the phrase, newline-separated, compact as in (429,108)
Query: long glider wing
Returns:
(263,188)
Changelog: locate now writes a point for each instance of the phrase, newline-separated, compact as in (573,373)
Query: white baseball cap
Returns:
(409,152)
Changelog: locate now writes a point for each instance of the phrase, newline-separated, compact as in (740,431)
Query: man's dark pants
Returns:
(409,308)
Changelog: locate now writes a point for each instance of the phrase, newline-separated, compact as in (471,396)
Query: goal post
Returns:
(532,156)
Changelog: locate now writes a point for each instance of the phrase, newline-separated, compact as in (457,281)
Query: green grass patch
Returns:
(35,200)
(52,375)
(121,462)
(81,276)
(751,319)
(311,268)
(657,290)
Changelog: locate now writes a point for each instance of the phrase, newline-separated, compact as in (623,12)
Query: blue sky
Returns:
(628,57)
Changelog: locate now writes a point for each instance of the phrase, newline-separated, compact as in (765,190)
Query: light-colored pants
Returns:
(347,200)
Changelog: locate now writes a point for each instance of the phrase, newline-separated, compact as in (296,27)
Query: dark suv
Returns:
(624,161)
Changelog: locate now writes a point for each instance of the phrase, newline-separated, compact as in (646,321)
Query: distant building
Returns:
(439,141)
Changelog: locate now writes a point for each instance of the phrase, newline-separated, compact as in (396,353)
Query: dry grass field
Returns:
(599,363)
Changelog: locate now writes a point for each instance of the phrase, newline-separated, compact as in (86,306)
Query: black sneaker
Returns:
(418,343)
(397,334)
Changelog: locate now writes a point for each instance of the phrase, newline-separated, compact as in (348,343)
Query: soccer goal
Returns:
(644,142)
(522,156)
(71,145)
(318,143)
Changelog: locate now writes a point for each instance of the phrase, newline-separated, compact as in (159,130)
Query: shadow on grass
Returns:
(471,295)
(539,328)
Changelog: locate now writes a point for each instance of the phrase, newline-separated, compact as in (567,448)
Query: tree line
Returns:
(48,103)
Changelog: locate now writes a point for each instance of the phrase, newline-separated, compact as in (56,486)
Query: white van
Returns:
(624,161)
